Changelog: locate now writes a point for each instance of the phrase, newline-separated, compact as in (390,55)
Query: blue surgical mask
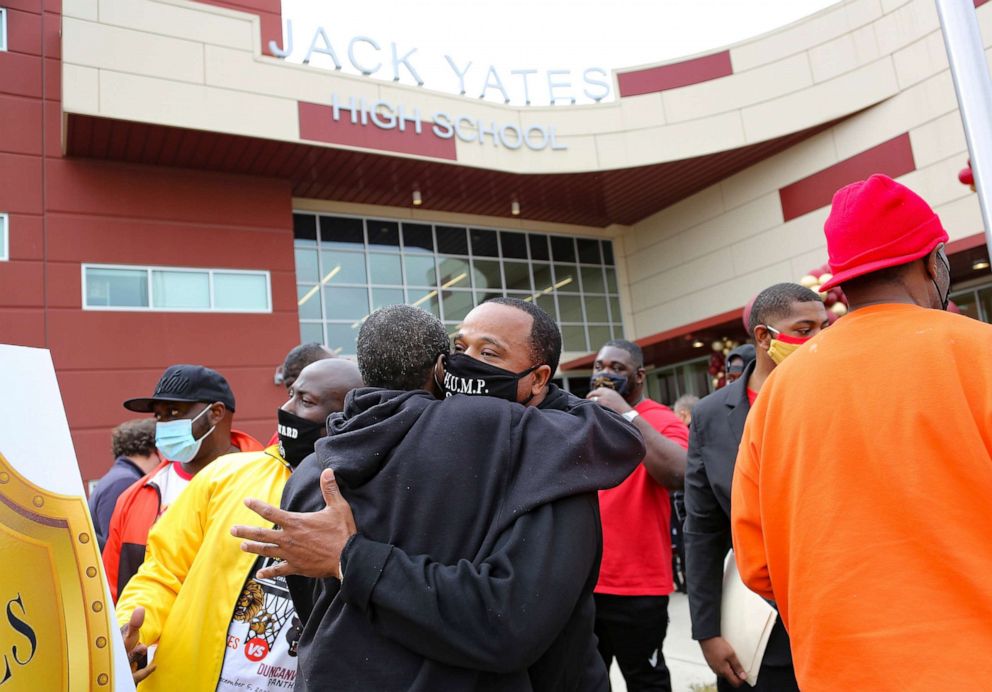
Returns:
(175,440)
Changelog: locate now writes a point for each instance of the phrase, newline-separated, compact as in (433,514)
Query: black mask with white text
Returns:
(297,436)
(466,375)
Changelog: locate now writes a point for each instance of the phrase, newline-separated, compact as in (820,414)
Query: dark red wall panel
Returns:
(21,129)
(34,6)
(22,284)
(23,32)
(892,158)
(111,189)
(20,183)
(317,124)
(22,327)
(20,74)
(680,74)
(26,237)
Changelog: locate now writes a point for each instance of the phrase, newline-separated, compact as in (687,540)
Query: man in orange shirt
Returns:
(860,499)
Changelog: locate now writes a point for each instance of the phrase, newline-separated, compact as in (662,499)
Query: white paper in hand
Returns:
(746,620)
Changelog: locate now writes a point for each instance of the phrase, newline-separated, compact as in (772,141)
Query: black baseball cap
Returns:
(186,383)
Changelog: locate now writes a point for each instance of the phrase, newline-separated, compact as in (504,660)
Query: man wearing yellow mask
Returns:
(781,317)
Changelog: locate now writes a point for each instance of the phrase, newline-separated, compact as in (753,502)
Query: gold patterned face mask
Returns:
(783,345)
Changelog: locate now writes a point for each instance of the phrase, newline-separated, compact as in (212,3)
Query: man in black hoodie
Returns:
(478,537)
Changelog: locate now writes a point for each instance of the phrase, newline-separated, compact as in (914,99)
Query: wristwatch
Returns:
(630,415)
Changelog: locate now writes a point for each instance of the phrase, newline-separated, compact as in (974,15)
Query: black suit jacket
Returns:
(714,437)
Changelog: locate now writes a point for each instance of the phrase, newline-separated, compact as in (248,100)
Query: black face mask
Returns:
(616,382)
(466,375)
(297,436)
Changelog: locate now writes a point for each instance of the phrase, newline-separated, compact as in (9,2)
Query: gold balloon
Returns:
(824,278)
(839,309)
(808,281)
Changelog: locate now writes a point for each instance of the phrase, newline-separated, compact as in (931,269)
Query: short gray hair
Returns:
(685,403)
(398,345)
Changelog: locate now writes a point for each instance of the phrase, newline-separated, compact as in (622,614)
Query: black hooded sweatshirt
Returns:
(478,547)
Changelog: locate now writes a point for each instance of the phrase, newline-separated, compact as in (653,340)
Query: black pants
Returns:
(632,629)
(770,679)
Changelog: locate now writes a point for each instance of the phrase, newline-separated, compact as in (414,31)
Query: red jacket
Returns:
(136,510)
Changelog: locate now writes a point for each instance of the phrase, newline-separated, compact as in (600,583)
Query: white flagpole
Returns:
(969,69)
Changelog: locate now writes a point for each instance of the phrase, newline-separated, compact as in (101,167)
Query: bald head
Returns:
(321,388)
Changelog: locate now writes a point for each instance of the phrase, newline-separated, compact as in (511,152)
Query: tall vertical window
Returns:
(3,29)
(4,241)
(346,267)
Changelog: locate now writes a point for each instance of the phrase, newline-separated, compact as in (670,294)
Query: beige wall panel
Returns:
(80,89)
(890,5)
(658,318)
(685,140)
(985,24)
(839,96)
(669,222)
(780,244)
(98,45)
(655,259)
(844,54)
(579,120)
(906,24)
(806,261)
(912,107)
(164,102)
(736,225)
(611,150)
(642,111)
(737,291)
(738,90)
(787,167)
(934,140)
(920,60)
(80,9)
(823,26)
(694,275)
(938,183)
(202,24)
(235,69)
(961,218)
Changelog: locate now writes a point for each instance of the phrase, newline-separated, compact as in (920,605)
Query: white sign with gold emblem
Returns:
(57,626)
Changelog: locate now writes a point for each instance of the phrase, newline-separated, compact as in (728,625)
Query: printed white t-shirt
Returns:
(262,638)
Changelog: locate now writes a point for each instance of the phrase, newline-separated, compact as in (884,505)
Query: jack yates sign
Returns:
(372,58)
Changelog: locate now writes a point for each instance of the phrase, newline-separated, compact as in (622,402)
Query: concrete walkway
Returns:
(685,661)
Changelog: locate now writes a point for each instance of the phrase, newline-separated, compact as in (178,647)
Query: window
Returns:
(4,242)
(3,29)
(175,289)
(347,267)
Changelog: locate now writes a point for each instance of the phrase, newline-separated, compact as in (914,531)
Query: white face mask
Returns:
(175,440)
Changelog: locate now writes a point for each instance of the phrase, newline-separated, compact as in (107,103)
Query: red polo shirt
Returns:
(636,515)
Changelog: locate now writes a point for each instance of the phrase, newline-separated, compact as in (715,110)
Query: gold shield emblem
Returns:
(55,629)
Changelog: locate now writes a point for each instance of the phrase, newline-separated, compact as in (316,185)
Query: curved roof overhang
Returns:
(204,94)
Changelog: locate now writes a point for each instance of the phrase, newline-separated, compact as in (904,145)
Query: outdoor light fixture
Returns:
(417,199)
(980,264)
(515,208)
